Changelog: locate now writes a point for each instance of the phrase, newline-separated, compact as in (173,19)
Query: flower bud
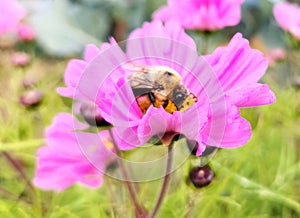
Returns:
(31,98)
(91,115)
(201,176)
(28,82)
(20,59)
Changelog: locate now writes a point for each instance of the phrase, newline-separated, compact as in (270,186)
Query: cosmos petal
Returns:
(124,114)
(98,72)
(252,95)
(90,52)
(237,65)
(234,132)
(156,44)
(154,122)
(159,122)
(71,77)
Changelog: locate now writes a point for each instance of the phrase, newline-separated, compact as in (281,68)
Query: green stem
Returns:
(15,146)
(205,43)
(165,182)
(140,212)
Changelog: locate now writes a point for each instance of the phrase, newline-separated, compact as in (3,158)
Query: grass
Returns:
(260,179)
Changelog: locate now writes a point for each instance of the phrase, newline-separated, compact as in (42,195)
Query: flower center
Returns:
(160,86)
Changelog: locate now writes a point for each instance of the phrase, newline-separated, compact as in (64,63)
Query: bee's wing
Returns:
(139,80)
(140,84)
(133,67)
(139,76)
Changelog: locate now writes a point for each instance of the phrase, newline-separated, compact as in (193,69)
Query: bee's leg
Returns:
(166,103)
(151,97)
(169,106)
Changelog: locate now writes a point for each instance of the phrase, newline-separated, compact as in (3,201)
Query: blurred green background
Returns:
(260,179)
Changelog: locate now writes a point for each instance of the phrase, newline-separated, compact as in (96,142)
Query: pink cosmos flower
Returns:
(205,15)
(223,82)
(275,55)
(65,159)
(26,32)
(11,13)
(287,16)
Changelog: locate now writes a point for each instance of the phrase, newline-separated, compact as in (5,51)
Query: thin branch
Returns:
(7,194)
(18,168)
(4,193)
(140,212)
(165,182)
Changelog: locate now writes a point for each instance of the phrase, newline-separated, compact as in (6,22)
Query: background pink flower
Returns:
(26,32)
(287,16)
(61,162)
(11,13)
(205,15)
(275,55)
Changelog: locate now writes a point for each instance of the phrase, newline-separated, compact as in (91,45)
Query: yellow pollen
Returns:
(108,143)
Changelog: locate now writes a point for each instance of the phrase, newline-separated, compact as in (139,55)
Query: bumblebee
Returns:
(159,86)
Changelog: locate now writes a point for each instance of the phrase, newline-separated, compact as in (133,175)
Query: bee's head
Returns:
(166,79)
(179,94)
(171,74)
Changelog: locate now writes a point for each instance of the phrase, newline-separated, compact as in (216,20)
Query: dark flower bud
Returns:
(31,98)
(201,176)
(91,115)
